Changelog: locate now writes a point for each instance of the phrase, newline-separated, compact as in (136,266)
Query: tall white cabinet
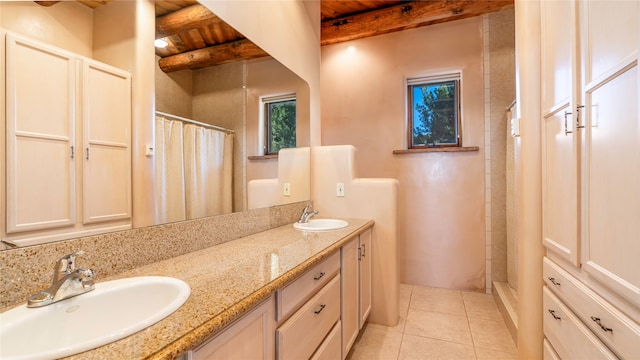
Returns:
(591,176)
(68,144)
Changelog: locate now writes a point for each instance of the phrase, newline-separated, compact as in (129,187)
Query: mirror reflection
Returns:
(222,98)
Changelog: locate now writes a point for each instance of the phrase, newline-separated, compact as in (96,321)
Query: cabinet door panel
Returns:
(251,337)
(107,139)
(611,191)
(558,48)
(349,302)
(40,120)
(610,34)
(366,252)
(559,140)
(560,188)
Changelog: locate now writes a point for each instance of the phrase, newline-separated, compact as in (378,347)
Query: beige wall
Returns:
(67,25)
(441,195)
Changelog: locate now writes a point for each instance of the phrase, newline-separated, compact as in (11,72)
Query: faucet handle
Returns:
(66,265)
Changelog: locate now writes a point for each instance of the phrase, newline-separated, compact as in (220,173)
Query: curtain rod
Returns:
(176,117)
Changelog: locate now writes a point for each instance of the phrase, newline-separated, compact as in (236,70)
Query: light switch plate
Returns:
(340,189)
(287,189)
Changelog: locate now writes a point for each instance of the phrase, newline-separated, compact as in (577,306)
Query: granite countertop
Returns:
(226,280)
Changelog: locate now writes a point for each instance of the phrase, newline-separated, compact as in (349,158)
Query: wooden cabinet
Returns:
(68,143)
(591,171)
(251,337)
(356,287)
(306,318)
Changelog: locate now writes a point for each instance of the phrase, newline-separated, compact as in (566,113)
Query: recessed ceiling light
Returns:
(160,43)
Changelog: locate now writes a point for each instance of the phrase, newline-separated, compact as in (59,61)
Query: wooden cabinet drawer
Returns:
(567,334)
(619,332)
(300,336)
(331,348)
(295,294)
(548,353)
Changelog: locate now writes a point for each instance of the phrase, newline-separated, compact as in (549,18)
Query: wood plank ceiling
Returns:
(197,38)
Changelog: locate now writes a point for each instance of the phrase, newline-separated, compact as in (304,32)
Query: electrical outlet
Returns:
(287,189)
(340,189)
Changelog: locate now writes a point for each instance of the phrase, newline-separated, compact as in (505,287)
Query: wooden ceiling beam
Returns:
(211,56)
(407,15)
(185,19)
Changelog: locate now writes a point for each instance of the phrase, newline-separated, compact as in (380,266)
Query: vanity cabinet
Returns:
(356,287)
(591,171)
(68,143)
(250,337)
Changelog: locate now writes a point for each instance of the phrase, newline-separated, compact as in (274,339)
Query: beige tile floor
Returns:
(438,324)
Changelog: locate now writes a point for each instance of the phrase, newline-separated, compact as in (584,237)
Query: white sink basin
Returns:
(321,225)
(114,310)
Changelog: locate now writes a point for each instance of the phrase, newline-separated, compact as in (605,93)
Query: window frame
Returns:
(266,111)
(414,82)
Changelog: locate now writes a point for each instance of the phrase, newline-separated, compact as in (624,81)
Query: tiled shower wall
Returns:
(499,93)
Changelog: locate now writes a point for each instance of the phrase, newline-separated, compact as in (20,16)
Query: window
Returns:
(280,123)
(434,111)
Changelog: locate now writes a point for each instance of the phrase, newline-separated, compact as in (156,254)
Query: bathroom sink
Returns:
(321,225)
(114,310)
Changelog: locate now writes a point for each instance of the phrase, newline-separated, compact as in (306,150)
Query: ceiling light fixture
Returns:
(160,43)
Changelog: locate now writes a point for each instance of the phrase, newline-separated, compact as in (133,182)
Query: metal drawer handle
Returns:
(597,321)
(318,277)
(322,306)
(363,249)
(553,313)
(553,281)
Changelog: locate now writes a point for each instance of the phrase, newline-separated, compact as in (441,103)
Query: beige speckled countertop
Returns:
(225,280)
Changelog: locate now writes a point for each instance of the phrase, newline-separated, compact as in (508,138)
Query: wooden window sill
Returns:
(436,149)
(263,157)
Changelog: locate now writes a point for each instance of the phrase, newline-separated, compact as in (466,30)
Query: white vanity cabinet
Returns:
(591,171)
(68,143)
(356,288)
(250,337)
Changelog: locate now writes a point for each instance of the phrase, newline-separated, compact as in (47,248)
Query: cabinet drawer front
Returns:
(566,333)
(548,352)
(614,328)
(296,293)
(330,348)
(299,336)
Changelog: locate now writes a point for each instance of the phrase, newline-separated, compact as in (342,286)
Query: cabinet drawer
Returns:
(299,336)
(567,334)
(614,328)
(295,294)
(548,352)
(331,346)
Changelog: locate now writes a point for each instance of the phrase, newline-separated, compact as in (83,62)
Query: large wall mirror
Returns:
(227,94)
(211,73)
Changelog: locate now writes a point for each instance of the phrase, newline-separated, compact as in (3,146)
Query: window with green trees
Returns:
(434,111)
(280,123)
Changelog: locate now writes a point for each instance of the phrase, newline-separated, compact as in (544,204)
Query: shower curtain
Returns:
(193,171)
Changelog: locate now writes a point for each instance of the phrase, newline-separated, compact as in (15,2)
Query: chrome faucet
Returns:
(67,282)
(307,214)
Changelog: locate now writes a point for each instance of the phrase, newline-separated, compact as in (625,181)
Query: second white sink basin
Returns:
(321,225)
(114,310)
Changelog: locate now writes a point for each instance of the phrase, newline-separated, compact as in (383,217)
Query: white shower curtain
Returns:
(170,198)
(193,171)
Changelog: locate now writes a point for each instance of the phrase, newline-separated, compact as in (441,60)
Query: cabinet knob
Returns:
(319,276)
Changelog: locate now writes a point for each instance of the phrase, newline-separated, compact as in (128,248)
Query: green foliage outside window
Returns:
(435,113)
(281,125)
